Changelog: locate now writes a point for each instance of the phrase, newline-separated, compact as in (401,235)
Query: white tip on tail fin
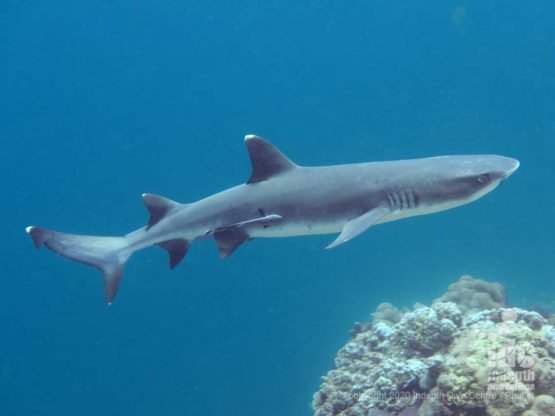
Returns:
(108,254)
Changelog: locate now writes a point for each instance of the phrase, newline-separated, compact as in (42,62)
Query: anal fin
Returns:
(177,249)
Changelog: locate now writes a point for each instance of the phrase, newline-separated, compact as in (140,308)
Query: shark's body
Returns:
(282,199)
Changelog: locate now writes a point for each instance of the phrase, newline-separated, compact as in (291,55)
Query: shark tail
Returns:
(108,254)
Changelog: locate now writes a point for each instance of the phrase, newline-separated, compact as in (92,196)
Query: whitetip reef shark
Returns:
(282,199)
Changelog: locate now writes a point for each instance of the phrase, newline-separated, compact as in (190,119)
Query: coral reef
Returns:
(387,313)
(543,406)
(467,354)
(473,295)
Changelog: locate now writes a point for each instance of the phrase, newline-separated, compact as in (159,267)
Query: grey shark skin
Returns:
(283,199)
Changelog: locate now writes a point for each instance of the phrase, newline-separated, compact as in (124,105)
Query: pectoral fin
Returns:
(359,225)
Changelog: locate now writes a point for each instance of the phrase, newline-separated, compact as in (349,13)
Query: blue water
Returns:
(102,101)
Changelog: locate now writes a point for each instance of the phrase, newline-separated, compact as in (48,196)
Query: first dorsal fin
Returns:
(266,160)
(158,207)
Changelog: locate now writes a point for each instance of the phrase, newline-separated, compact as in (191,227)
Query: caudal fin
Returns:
(108,254)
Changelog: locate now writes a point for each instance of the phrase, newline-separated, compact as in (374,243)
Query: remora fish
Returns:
(283,199)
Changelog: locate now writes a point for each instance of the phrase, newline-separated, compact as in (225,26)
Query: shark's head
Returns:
(458,180)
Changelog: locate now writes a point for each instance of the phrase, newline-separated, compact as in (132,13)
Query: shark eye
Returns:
(483,178)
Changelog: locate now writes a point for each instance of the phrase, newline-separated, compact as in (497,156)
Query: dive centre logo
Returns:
(510,362)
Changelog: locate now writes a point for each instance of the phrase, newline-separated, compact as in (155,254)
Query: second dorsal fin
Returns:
(266,160)
(158,207)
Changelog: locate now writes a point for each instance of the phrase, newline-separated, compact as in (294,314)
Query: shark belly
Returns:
(300,227)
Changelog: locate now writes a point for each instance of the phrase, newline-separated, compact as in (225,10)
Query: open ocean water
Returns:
(101,101)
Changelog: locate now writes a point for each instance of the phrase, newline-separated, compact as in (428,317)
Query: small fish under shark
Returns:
(283,199)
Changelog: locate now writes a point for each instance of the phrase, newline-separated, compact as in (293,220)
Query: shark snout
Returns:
(499,167)
(508,166)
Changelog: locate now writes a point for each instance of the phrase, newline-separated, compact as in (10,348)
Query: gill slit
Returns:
(402,199)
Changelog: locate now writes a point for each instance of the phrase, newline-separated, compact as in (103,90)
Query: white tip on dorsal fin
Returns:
(266,159)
